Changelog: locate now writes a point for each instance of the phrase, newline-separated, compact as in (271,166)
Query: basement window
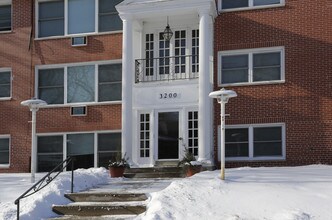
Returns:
(4,151)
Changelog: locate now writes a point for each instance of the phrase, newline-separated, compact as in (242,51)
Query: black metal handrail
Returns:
(47,179)
(166,68)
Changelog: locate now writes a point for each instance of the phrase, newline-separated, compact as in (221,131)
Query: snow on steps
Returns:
(101,204)
(154,172)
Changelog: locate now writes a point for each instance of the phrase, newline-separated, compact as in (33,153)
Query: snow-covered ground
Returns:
(39,205)
(287,193)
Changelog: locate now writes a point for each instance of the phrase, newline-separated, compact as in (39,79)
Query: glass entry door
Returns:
(168,135)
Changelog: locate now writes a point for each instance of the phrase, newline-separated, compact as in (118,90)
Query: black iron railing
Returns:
(47,179)
(166,68)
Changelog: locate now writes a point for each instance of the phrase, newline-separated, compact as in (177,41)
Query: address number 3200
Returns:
(168,95)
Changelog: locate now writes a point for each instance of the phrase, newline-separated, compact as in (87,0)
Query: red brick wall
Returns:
(15,53)
(304,101)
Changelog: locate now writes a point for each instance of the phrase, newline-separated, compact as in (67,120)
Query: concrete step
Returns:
(154,172)
(103,217)
(100,209)
(105,197)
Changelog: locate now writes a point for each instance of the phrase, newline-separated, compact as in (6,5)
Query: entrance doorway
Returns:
(168,135)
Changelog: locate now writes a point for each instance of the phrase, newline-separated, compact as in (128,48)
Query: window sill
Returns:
(252,83)
(6,32)
(77,35)
(252,8)
(82,104)
(4,166)
(255,159)
(6,99)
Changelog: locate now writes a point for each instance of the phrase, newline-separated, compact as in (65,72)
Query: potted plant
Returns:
(118,165)
(189,163)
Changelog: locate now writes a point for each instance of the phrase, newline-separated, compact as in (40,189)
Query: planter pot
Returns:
(192,170)
(117,171)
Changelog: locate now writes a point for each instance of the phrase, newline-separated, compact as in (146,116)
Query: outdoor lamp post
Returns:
(34,104)
(222,97)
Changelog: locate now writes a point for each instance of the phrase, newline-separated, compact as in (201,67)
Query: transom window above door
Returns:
(175,59)
(70,17)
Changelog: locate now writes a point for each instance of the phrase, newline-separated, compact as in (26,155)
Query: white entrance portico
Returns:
(166,83)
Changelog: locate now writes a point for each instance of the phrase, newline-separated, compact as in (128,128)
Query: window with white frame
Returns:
(5,15)
(70,17)
(248,4)
(254,66)
(255,142)
(4,150)
(176,58)
(5,83)
(193,132)
(80,83)
(89,149)
(144,135)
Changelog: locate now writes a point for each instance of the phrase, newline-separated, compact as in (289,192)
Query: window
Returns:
(68,17)
(144,135)
(169,60)
(5,16)
(80,83)
(253,66)
(255,142)
(109,79)
(109,146)
(193,132)
(50,152)
(5,83)
(109,19)
(4,150)
(89,149)
(51,19)
(248,4)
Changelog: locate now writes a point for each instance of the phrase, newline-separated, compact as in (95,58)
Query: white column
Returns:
(127,84)
(204,106)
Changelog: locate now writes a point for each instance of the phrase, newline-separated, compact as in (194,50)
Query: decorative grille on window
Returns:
(164,53)
(193,132)
(144,135)
(195,51)
(180,51)
(149,54)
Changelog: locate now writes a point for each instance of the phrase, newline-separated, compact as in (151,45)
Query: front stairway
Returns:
(88,205)
(121,198)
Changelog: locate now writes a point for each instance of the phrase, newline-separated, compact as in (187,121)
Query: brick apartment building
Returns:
(148,96)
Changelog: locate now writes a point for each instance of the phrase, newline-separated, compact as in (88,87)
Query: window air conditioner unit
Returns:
(79,41)
(78,110)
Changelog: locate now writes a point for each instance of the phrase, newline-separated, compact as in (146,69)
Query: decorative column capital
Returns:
(126,17)
(204,11)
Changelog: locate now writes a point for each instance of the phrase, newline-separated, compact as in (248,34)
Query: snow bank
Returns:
(39,205)
(296,193)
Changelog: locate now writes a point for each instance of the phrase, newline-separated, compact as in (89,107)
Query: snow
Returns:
(288,193)
(39,205)
(276,193)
